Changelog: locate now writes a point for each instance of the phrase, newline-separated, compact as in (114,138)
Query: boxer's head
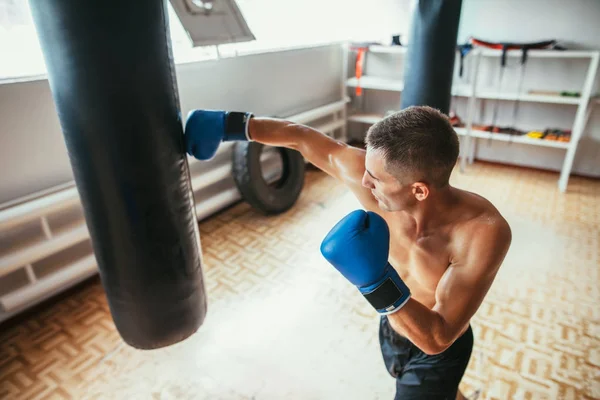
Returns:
(410,155)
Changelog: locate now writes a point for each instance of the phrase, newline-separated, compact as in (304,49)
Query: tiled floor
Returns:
(282,324)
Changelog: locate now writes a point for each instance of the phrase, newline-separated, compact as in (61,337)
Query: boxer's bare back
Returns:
(447,250)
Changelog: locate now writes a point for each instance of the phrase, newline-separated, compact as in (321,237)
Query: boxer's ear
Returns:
(420,190)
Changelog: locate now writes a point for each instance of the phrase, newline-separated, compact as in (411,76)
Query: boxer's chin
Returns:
(382,206)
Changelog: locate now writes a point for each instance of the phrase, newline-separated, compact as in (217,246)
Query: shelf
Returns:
(541,53)
(462,90)
(377,83)
(473,92)
(374,118)
(460,131)
(533,98)
(497,53)
(365,118)
(397,85)
(503,137)
(387,49)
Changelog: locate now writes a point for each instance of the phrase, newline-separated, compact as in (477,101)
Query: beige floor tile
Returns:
(282,324)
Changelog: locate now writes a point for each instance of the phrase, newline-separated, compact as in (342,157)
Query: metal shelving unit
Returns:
(583,103)
(473,94)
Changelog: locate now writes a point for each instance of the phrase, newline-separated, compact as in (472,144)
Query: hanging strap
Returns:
(464,49)
(360,61)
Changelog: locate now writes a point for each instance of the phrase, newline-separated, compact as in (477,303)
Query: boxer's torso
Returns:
(420,263)
(422,258)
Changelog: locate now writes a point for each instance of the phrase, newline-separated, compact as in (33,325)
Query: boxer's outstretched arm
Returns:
(343,162)
(339,160)
(459,294)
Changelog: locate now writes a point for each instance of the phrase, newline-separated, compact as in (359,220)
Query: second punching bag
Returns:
(113,82)
(431,51)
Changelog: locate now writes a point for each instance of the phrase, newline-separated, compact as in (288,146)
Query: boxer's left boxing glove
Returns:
(206,129)
(358,247)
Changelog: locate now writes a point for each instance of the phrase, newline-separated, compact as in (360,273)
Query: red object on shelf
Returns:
(360,60)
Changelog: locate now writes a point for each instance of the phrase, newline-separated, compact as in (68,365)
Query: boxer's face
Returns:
(390,193)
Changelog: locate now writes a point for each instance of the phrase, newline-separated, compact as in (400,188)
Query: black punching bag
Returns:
(112,78)
(430,57)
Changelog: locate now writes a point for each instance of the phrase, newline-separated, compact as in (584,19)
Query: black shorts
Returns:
(421,376)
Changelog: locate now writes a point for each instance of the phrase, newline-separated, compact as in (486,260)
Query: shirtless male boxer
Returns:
(445,244)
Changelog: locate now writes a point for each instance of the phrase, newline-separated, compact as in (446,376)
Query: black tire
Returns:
(268,198)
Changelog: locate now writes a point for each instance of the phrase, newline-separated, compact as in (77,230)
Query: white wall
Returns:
(573,22)
(33,155)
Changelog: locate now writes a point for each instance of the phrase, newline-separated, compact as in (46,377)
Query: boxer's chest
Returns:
(421,263)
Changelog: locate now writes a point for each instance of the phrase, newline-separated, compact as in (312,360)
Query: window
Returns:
(20,53)
(183,50)
(276,24)
(279,24)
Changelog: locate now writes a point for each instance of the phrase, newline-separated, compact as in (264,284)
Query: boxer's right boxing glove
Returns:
(206,129)
(358,247)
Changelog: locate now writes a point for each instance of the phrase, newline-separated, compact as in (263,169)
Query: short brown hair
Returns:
(418,143)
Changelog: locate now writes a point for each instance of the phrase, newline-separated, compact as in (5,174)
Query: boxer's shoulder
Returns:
(478,212)
(483,230)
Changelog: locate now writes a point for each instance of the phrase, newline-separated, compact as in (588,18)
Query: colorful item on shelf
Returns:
(505,46)
(559,135)
(555,93)
(360,60)
(544,44)
(478,127)
(361,49)
(565,137)
(499,129)
(535,134)
(512,131)
(463,49)
(455,120)
(551,135)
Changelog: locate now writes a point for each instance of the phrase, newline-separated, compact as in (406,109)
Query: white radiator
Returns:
(44,241)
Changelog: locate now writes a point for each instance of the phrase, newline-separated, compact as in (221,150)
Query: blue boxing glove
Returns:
(358,247)
(206,129)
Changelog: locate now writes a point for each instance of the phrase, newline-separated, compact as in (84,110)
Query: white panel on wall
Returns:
(33,155)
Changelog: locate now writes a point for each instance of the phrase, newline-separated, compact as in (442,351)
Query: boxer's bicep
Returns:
(316,147)
(341,161)
(465,283)
(334,157)
(338,159)
(350,165)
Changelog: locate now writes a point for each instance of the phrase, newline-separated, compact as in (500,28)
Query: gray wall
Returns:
(33,155)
